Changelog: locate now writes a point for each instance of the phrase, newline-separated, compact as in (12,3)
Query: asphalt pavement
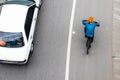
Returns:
(48,61)
(98,64)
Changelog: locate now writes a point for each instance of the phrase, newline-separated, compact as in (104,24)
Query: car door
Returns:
(30,24)
(29,28)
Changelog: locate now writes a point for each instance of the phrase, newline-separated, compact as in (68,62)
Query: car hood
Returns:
(13,54)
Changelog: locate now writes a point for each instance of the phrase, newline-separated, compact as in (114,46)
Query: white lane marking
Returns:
(73,32)
(116,9)
(117,1)
(69,40)
(116,16)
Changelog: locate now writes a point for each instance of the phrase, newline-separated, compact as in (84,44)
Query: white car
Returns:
(17,26)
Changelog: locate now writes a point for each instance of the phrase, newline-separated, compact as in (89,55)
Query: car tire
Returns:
(30,53)
(32,48)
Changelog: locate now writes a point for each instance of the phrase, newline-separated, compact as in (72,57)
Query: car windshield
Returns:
(22,2)
(11,40)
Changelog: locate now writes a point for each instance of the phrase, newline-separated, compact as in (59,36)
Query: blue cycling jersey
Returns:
(90,27)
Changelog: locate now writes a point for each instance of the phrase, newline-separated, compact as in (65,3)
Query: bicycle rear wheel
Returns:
(87,51)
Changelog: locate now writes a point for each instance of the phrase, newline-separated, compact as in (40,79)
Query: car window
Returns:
(11,39)
(28,21)
(18,0)
(22,2)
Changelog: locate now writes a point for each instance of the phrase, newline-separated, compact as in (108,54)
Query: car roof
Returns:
(12,18)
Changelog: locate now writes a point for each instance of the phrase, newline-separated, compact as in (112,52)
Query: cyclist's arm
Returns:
(84,22)
(97,24)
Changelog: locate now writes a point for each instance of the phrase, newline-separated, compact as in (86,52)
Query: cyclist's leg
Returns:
(88,42)
(85,32)
(92,38)
(84,29)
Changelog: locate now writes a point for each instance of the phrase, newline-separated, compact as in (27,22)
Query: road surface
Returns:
(95,66)
(51,44)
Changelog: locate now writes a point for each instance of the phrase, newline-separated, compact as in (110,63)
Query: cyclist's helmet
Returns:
(91,19)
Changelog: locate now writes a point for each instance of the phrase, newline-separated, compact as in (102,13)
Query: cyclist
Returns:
(90,25)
